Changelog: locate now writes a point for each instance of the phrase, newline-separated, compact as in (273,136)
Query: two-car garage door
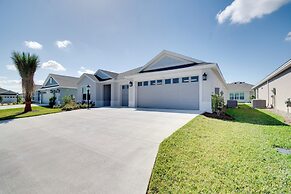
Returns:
(177,93)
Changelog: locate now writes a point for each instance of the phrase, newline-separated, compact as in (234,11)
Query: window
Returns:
(159,82)
(145,83)
(231,96)
(51,80)
(125,87)
(175,80)
(139,84)
(153,82)
(194,79)
(84,92)
(167,81)
(216,91)
(185,80)
(241,96)
(236,96)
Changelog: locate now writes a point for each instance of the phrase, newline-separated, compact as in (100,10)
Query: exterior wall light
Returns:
(204,76)
(130,84)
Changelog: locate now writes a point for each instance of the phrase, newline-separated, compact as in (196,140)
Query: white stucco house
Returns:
(168,81)
(58,86)
(240,91)
(275,88)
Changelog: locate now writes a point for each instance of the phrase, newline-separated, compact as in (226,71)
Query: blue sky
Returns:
(248,39)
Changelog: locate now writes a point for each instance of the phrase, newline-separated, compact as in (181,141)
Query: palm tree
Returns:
(26,65)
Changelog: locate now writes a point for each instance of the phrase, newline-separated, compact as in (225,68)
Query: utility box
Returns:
(231,104)
(258,103)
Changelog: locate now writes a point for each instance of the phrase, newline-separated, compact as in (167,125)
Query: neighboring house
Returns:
(276,87)
(8,96)
(168,81)
(240,91)
(58,86)
(36,94)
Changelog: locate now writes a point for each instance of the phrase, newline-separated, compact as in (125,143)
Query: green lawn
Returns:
(215,156)
(15,113)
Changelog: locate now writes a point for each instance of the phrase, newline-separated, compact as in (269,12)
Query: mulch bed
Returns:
(222,116)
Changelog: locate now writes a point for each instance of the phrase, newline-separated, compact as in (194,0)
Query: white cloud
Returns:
(11,67)
(53,65)
(244,11)
(85,70)
(10,84)
(33,45)
(288,37)
(39,82)
(63,44)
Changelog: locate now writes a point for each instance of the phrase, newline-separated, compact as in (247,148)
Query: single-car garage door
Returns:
(176,93)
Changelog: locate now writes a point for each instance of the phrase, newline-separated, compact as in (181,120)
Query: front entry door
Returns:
(124,98)
(107,95)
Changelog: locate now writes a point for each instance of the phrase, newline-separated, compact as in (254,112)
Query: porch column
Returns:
(132,96)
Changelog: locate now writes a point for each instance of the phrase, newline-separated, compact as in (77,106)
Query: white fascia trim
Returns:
(46,80)
(82,77)
(162,73)
(56,87)
(279,70)
(220,74)
(176,55)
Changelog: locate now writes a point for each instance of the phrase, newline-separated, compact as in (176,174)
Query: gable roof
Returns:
(239,86)
(103,75)
(279,70)
(7,92)
(129,72)
(166,60)
(62,81)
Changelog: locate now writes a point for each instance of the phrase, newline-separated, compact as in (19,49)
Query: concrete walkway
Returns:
(14,106)
(84,151)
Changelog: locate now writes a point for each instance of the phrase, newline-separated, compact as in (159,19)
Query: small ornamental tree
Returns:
(217,103)
(1,99)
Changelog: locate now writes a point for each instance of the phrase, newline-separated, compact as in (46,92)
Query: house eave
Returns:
(279,70)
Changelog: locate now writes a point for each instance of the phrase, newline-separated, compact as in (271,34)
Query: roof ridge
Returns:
(63,75)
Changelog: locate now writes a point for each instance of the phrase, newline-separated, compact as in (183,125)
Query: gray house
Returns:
(58,86)
(8,96)
(276,87)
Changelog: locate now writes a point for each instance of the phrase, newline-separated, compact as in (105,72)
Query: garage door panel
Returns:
(172,96)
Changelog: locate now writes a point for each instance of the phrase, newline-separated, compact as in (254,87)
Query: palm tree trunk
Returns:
(27,106)
(28,87)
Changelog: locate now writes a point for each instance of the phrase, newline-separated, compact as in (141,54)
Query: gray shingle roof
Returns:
(129,72)
(65,81)
(93,77)
(7,92)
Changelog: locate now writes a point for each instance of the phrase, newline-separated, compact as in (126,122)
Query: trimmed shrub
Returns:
(52,101)
(217,103)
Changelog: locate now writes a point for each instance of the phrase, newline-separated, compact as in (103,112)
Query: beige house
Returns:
(276,87)
(240,91)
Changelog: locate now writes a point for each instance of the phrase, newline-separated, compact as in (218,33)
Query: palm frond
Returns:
(26,65)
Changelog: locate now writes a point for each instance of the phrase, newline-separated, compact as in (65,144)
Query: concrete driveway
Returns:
(85,151)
